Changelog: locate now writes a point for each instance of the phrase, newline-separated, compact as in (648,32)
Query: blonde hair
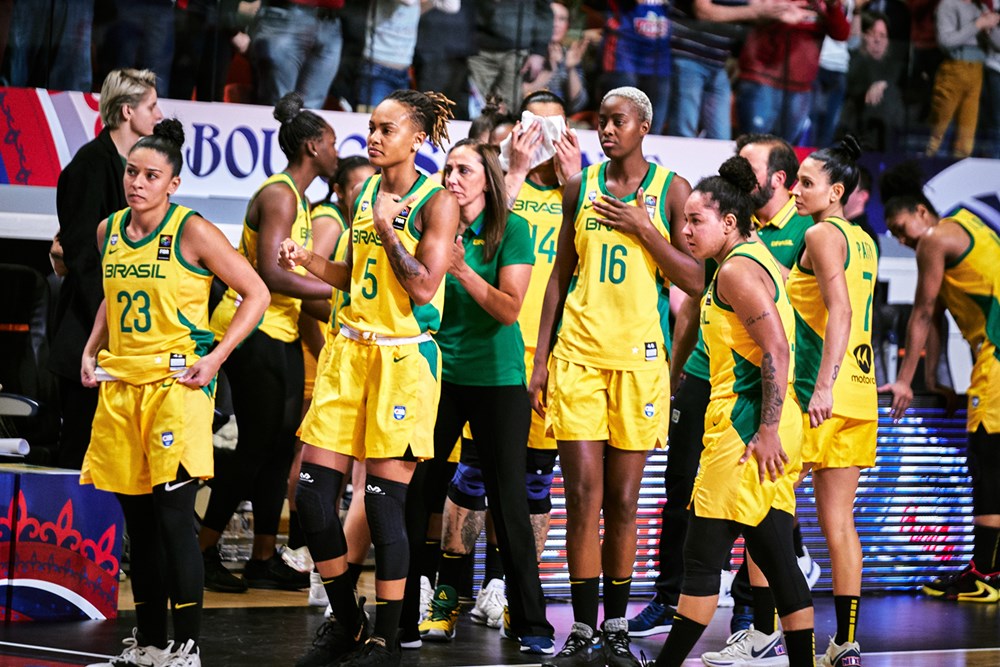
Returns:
(123,87)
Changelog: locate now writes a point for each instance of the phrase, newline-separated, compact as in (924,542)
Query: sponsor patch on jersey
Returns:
(400,221)
(166,240)
(364,206)
(399,412)
(651,205)
(648,410)
(163,254)
(652,350)
(592,196)
(114,239)
(167,438)
(178,362)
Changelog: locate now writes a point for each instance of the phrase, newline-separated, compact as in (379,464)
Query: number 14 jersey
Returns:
(617,309)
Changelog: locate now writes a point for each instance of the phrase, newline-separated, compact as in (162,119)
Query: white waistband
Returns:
(372,338)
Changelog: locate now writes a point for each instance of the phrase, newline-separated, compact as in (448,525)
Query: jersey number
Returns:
(371,289)
(613,263)
(547,246)
(868,306)
(141,321)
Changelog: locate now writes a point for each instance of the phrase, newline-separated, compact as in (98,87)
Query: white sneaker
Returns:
(317,592)
(847,654)
(328,612)
(726,588)
(749,648)
(187,655)
(810,568)
(426,595)
(134,654)
(490,603)
(299,559)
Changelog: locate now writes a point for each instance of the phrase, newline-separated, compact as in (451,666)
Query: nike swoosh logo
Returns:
(186,604)
(396,361)
(982,592)
(170,486)
(113,251)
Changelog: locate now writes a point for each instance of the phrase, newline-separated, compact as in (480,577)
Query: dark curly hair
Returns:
(730,191)
(840,162)
(430,111)
(166,139)
(297,125)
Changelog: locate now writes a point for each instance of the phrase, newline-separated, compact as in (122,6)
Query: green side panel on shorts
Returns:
(746,416)
(428,316)
(663,307)
(746,375)
(203,342)
(808,353)
(429,351)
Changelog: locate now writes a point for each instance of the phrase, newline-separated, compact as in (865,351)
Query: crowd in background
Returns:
(905,75)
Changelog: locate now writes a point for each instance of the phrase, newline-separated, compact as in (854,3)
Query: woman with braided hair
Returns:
(377,399)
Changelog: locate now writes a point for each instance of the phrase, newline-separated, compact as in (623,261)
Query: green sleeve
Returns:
(517,246)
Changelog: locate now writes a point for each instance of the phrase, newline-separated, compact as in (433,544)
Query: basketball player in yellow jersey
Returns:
(608,389)
(958,257)
(747,325)
(831,287)
(152,432)
(377,399)
(266,373)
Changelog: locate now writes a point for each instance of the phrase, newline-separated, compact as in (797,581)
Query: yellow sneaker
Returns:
(440,624)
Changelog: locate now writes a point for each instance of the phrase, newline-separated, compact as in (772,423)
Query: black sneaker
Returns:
(582,649)
(218,578)
(335,640)
(375,652)
(274,574)
(616,644)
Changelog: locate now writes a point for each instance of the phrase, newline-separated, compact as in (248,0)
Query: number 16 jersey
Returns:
(617,307)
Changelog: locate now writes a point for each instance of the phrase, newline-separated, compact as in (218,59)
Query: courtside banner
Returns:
(231,148)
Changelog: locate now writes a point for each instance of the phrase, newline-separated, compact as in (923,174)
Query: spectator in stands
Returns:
(513,38)
(562,73)
(142,36)
(959,80)
(702,39)
(205,36)
(51,48)
(390,38)
(925,58)
(636,51)
(873,108)
(990,100)
(90,189)
(442,64)
(778,65)
(295,46)
(830,85)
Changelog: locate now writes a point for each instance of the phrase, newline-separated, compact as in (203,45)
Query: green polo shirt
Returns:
(785,233)
(476,349)
(697,361)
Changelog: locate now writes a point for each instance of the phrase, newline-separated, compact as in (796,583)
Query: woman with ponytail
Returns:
(747,324)
(377,399)
(151,347)
(266,374)
(831,287)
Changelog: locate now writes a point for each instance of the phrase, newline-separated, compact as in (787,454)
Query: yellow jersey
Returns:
(327,210)
(339,254)
(541,207)
(377,302)
(157,302)
(971,286)
(854,393)
(617,310)
(281,319)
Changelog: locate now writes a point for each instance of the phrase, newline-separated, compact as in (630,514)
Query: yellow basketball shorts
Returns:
(839,442)
(376,401)
(310,363)
(143,433)
(626,408)
(540,426)
(726,489)
(984,391)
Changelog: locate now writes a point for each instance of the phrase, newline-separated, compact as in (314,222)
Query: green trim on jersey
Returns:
(972,242)
(149,237)
(197,270)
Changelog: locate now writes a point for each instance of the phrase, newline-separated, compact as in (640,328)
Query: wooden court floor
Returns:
(263,628)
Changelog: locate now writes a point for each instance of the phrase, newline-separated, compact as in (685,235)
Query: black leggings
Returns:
(165,561)
(266,377)
(769,543)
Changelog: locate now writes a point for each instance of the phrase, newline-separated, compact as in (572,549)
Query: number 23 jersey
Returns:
(617,307)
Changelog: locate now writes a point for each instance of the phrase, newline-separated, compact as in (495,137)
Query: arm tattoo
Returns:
(836,371)
(404,265)
(771,401)
(750,321)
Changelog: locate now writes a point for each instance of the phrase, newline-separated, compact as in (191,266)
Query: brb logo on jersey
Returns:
(399,412)
(167,438)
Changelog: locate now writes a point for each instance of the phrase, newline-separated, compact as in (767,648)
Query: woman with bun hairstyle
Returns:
(747,324)
(831,287)
(151,348)
(266,373)
(376,401)
(620,247)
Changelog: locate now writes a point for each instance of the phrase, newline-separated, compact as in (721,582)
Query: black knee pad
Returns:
(385,503)
(316,502)
(706,554)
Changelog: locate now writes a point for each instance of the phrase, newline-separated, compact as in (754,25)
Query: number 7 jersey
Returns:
(617,307)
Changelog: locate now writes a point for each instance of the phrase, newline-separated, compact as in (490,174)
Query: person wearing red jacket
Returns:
(778,65)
